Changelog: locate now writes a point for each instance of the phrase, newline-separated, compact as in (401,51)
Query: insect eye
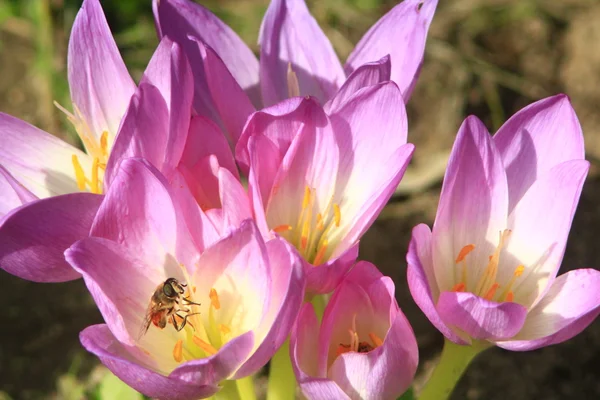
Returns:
(168,290)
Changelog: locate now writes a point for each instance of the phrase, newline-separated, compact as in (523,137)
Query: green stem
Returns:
(246,389)
(229,391)
(454,361)
(319,302)
(282,382)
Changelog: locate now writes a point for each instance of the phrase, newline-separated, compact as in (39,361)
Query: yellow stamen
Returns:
(337,214)
(94,186)
(178,351)
(79,174)
(320,222)
(518,272)
(489,275)
(208,349)
(375,339)
(292,82)
(214,299)
(306,199)
(104,143)
(320,254)
(282,228)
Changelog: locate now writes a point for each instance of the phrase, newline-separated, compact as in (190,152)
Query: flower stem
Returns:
(319,303)
(229,391)
(245,387)
(453,363)
(282,382)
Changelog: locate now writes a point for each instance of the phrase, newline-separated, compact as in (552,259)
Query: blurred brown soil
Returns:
(484,57)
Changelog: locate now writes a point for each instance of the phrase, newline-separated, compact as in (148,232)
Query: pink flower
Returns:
(236,300)
(364,347)
(296,58)
(320,179)
(46,204)
(487,270)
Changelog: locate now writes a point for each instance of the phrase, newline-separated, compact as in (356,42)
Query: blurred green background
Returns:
(484,57)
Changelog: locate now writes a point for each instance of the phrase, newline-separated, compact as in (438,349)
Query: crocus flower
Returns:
(487,270)
(296,58)
(238,298)
(364,348)
(319,180)
(53,177)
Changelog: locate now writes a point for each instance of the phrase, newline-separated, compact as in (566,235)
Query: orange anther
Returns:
(208,349)
(337,214)
(510,296)
(320,254)
(178,351)
(282,228)
(492,291)
(463,252)
(459,287)
(214,299)
(375,339)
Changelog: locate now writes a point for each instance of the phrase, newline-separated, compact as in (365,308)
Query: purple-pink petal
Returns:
(571,304)
(365,75)
(98,340)
(12,193)
(291,38)
(325,277)
(421,279)
(34,237)
(535,139)
(180,18)
(479,318)
(100,84)
(401,33)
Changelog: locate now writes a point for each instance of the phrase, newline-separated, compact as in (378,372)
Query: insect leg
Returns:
(190,302)
(183,322)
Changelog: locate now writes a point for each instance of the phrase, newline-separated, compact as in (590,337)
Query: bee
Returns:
(168,301)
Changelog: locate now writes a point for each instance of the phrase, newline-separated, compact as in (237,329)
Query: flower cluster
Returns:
(216,213)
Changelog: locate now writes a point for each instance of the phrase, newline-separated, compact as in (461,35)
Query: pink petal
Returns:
(368,185)
(322,389)
(140,213)
(120,283)
(289,35)
(169,71)
(98,340)
(540,225)
(304,344)
(40,161)
(242,256)
(401,33)
(100,84)
(537,138)
(287,295)
(279,124)
(366,75)
(144,132)
(325,277)
(34,237)
(571,304)
(234,200)
(230,102)
(202,230)
(473,204)
(421,279)
(180,18)
(205,138)
(479,318)
(12,193)
(203,182)
(370,375)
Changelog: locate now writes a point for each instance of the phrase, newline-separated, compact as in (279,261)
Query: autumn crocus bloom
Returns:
(296,58)
(242,294)
(364,348)
(320,179)
(36,165)
(487,270)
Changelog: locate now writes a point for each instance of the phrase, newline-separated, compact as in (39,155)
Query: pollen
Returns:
(459,287)
(337,214)
(178,351)
(214,299)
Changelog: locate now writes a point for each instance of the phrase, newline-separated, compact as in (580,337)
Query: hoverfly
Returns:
(167,302)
